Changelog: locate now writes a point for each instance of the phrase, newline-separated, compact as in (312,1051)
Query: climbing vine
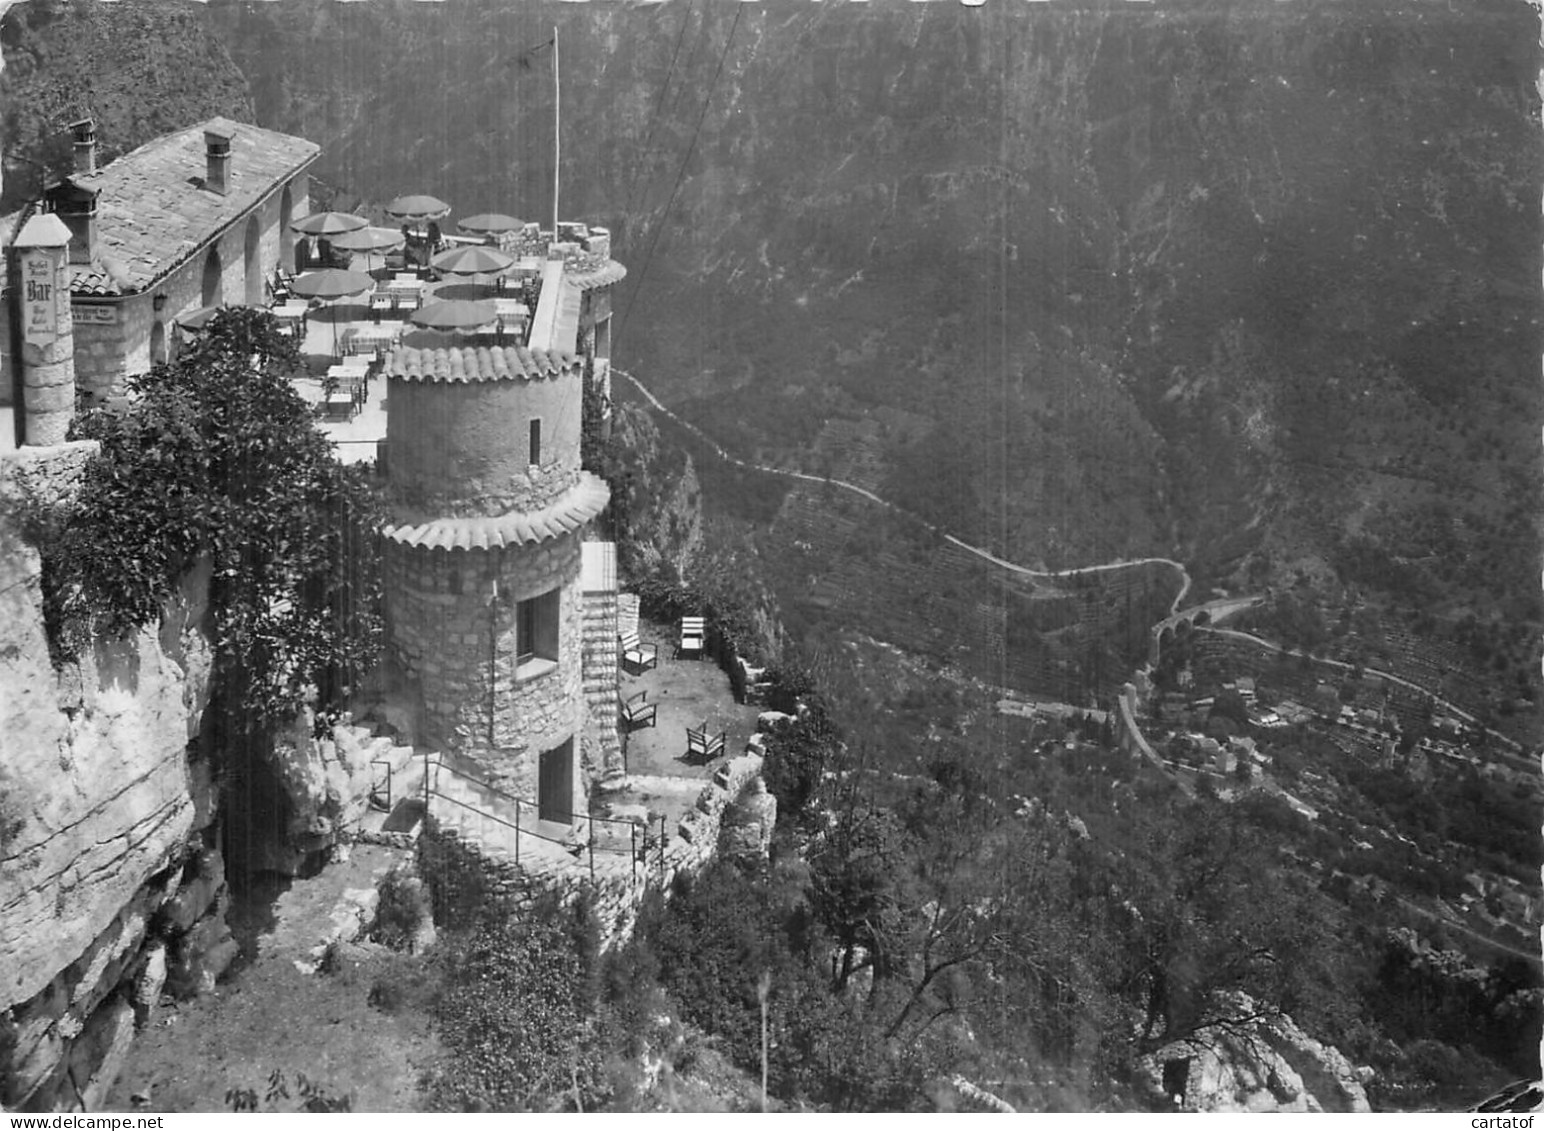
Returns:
(215,458)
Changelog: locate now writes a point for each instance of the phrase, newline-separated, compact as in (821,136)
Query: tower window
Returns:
(535,442)
(536,634)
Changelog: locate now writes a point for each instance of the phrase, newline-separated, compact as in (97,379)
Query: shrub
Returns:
(798,756)
(519,1032)
(402,908)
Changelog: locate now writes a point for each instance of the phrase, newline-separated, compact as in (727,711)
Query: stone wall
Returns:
(462,449)
(106,352)
(467,881)
(105,818)
(455,638)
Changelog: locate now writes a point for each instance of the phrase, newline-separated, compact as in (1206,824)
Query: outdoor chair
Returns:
(637,654)
(701,743)
(638,712)
(692,631)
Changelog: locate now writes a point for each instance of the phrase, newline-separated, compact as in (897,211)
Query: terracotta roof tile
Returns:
(153,211)
(482,363)
(582,502)
(612,272)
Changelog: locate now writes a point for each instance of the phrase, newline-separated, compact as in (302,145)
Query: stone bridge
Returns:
(1212,612)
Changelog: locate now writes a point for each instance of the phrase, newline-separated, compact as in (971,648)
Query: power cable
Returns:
(680,173)
(659,106)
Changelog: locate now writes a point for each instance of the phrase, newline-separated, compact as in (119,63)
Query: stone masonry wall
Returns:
(108,352)
(107,885)
(466,881)
(600,677)
(462,449)
(447,641)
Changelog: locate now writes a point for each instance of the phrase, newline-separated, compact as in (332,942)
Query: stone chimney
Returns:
(76,205)
(85,145)
(217,151)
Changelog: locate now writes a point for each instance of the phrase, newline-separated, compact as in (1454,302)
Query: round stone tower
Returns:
(482,561)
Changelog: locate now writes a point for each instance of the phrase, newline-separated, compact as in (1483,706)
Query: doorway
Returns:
(555,784)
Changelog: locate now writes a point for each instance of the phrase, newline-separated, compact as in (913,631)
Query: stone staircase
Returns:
(392,808)
(505,830)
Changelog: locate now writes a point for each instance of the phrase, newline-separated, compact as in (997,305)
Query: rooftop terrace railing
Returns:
(522,825)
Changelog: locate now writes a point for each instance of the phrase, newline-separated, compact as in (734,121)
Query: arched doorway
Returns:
(158,343)
(214,285)
(252,261)
(286,237)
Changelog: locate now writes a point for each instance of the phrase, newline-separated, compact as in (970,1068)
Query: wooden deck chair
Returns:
(701,743)
(692,632)
(636,654)
(638,712)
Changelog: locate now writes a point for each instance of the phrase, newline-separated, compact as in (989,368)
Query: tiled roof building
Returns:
(199,217)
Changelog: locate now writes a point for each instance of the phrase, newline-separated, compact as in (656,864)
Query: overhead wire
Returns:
(680,174)
(659,106)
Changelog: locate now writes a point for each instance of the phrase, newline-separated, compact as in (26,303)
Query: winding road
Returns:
(1218,608)
(977,551)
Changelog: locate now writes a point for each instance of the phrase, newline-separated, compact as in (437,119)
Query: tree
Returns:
(1229,704)
(1210,910)
(216,458)
(855,870)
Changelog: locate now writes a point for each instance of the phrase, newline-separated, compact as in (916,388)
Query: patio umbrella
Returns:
(197,319)
(418,207)
(332,283)
(369,240)
(473,260)
(456,314)
(489,224)
(328,224)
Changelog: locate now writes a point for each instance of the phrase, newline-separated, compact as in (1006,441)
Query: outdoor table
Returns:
(291,313)
(381,303)
(368,339)
(405,292)
(353,383)
(510,310)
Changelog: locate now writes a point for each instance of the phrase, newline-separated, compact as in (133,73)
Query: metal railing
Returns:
(523,827)
(373,791)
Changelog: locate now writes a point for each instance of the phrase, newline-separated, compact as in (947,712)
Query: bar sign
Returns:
(40,299)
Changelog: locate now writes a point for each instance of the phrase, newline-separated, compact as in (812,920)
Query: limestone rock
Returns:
(200,957)
(97,1058)
(748,833)
(196,894)
(95,791)
(1268,1065)
(148,983)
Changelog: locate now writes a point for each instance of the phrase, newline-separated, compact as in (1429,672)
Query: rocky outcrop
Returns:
(749,822)
(1265,1065)
(305,795)
(104,811)
(660,499)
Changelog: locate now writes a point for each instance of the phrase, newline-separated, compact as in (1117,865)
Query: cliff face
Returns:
(104,816)
(659,497)
(140,70)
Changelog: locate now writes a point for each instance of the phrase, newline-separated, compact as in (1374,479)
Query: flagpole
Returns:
(557,133)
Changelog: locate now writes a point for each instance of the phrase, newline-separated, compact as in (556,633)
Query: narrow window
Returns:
(535,442)
(525,631)
(536,634)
